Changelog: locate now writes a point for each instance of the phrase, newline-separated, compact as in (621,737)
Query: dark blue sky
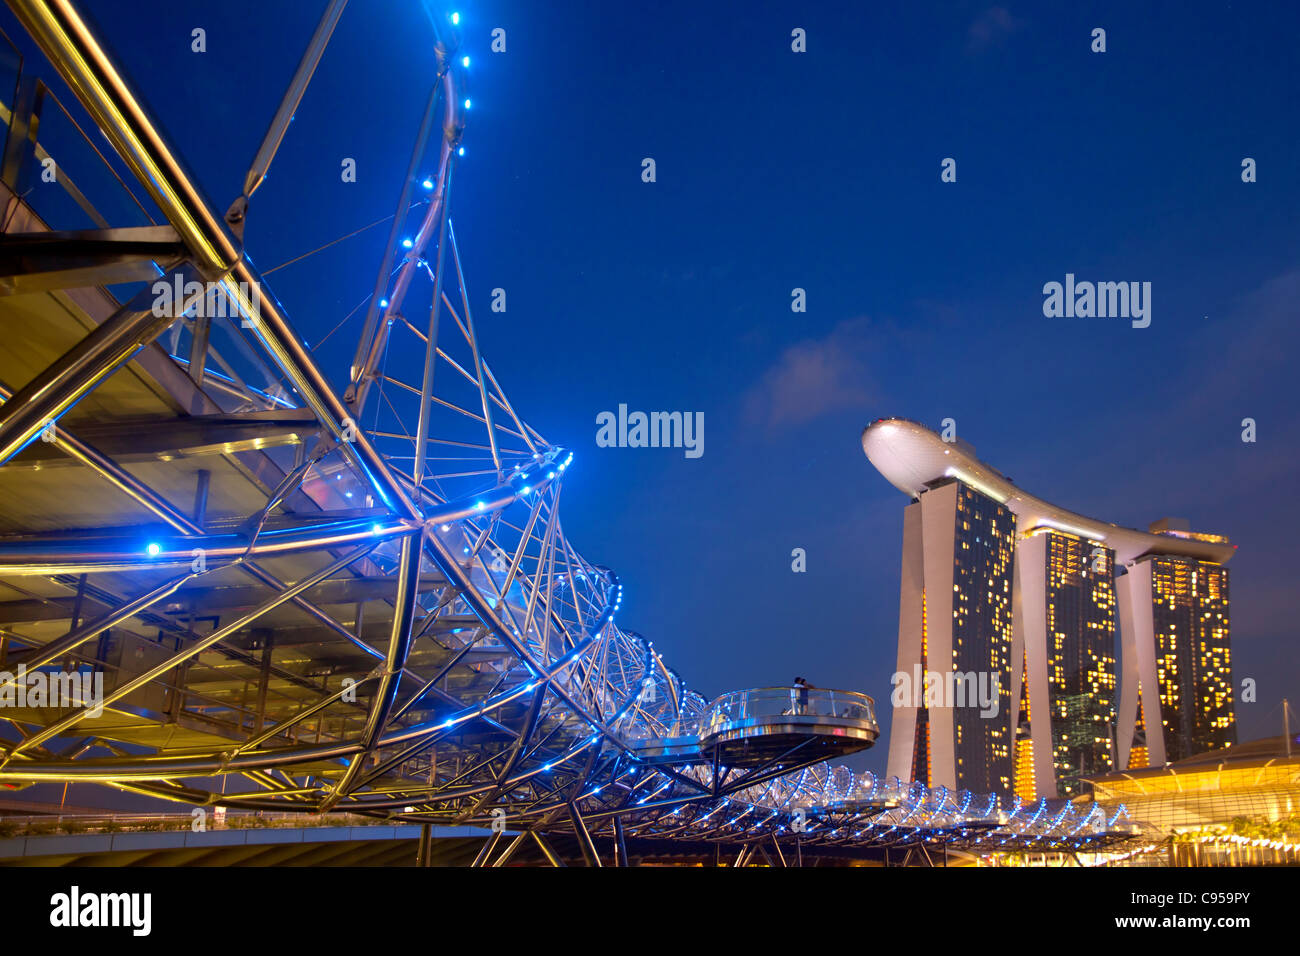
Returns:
(818,170)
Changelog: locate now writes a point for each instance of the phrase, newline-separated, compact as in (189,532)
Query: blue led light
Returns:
(427,184)
(383,303)
(467,104)
(464,61)
(455,18)
(461,151)
(407,244)
(154,549)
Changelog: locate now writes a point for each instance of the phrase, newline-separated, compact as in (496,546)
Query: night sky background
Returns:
(818,170)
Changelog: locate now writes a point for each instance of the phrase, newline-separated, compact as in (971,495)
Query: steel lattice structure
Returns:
(366,602)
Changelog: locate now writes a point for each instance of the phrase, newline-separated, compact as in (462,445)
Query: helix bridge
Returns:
(314,600)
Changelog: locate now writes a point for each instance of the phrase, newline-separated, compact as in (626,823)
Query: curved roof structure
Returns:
(913,458)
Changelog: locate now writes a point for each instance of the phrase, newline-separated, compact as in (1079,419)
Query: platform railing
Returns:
(763,702)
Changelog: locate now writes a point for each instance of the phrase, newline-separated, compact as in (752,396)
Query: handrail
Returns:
(70,44)
(754,704)
(790,701)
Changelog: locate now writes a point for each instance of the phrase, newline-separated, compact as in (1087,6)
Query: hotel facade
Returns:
(1001,586)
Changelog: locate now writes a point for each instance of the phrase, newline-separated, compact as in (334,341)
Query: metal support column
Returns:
(509,851)
(265,637)
(551,856)
(779,855)
(488,846)
(585,844)
(620,844)
(425,845)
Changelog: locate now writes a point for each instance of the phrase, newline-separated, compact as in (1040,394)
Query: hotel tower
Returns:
(1007,592)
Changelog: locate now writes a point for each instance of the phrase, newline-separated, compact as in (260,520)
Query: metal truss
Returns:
(361,602)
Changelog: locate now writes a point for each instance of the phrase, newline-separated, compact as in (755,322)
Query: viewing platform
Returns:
(768,726)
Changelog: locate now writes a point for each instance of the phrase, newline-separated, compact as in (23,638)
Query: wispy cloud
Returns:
(813,377)
(1231,368)
(1255,345)
(991,28)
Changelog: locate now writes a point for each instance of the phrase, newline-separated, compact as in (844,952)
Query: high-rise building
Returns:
(955,618)
(1176,610)
(1002,587)
(1067,619)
